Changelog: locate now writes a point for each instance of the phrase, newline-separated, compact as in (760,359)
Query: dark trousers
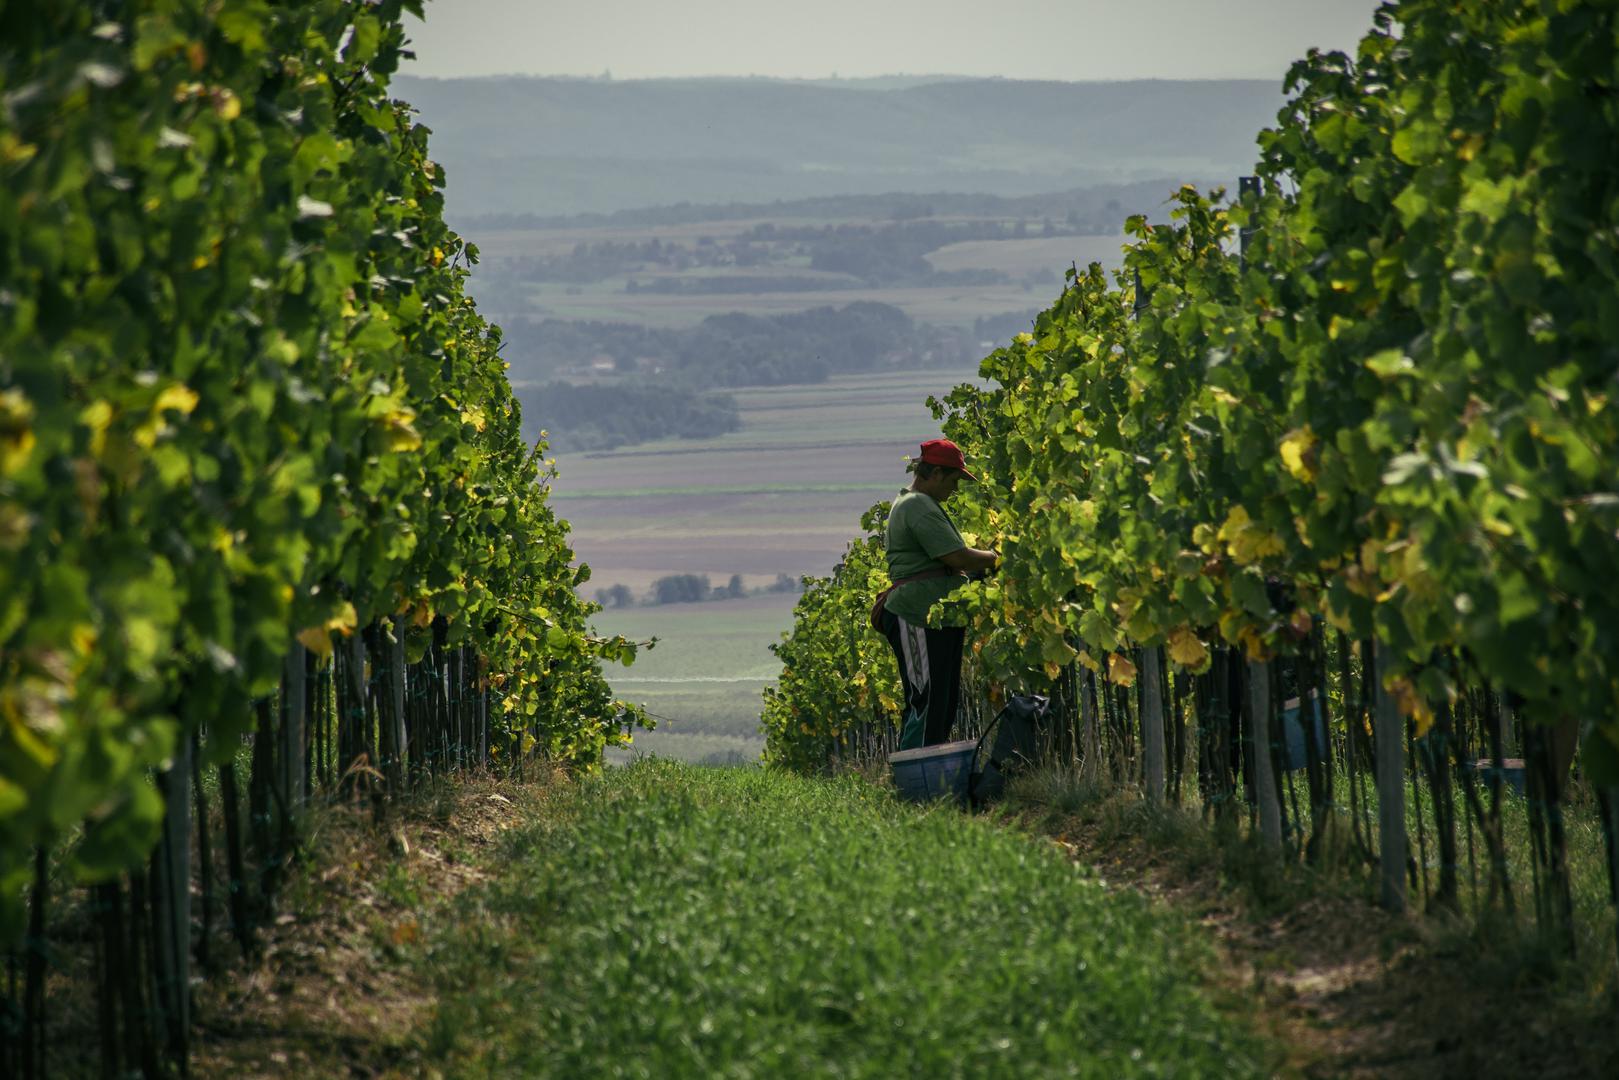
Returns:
(930,668)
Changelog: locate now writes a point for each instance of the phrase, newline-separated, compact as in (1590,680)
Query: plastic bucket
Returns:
(934,772)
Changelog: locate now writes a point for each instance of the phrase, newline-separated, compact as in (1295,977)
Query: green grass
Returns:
(665,921)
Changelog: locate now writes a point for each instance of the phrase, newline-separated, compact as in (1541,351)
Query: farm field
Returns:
(702,682)
(782,496)
(948,305)
(560,239)
(1023,257)
(1022,272)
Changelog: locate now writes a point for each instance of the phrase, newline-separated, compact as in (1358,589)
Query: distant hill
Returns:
(565,146)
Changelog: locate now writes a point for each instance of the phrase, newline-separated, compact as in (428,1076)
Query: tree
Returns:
(617,596)
(680,589)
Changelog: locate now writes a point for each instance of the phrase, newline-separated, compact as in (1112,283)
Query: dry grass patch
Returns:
(1347,989)
(334,993)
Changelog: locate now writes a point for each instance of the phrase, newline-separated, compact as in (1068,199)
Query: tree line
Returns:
(892,254)
(1098,207)
(689,589)
(597,385)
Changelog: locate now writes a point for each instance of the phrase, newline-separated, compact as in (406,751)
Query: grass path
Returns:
(667,921)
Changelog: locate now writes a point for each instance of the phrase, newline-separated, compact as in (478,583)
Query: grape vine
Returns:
(246,406)
(1373,395)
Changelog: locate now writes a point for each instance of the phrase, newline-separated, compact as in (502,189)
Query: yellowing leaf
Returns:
(178,397)
(1253,644)
(345,620)
(16,431)
(14,451)
(1412,704)
(227,105)
(1369,552)
(1390,363)
(316,640)
(97,416)
(1246,541)
(1298,453)
(1185,648)
(1120,669)
(399,432)
(1236,520)
(83,636)
(1264,543)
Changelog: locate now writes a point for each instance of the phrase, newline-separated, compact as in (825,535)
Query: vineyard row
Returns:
(1347,440)
(263,487)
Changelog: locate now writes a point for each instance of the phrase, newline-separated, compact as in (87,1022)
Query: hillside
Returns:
(561,146)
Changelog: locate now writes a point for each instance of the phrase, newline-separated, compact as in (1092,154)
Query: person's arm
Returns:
(971,560)
(939,538)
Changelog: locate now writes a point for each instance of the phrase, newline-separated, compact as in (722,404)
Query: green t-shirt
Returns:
(918,533)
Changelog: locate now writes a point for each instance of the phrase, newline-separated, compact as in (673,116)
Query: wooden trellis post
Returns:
(1391,842)
(1152,723)
(396,685)
(1266,798)
(293,707)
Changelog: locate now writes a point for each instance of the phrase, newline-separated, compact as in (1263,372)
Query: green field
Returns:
(697,749)
(702,682)
(662,921)
(716,639)
(1033,267)
(1023,257)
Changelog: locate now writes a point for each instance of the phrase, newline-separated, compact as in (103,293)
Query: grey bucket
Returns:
(933,772)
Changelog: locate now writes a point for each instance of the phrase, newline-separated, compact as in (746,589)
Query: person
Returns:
(927,559)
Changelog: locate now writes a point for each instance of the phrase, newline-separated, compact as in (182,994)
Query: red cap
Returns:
(944,452)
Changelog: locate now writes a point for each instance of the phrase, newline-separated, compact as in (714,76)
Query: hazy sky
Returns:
(1030,39)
